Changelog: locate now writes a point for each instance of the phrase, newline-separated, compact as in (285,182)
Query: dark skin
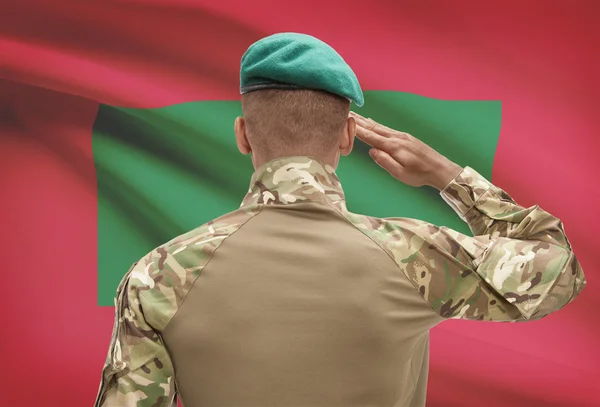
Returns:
(405,157)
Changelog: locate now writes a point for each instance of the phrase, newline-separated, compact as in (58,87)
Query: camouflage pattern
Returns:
(138,370)
(518,266)
(292,180)
(529,258)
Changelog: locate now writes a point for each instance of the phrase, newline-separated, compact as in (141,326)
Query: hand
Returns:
(405,157)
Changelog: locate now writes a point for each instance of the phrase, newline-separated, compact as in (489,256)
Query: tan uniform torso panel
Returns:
(300,308)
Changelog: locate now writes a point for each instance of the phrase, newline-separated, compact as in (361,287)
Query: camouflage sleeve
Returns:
(518,266)
(138,370)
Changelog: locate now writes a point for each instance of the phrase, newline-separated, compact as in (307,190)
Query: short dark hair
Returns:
(282,122)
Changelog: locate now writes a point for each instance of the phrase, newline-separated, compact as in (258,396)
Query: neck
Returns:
(330,159)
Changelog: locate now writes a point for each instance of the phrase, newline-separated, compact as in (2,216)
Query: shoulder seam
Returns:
(203,267)
(391,258)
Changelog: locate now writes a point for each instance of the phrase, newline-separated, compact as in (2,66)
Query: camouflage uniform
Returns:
(307,304)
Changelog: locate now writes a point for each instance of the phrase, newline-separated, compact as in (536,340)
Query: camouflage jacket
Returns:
(518,266)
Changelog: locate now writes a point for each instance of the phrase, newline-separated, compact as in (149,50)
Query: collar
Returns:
(294,179)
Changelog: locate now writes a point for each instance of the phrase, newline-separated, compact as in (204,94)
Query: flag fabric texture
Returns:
(117,134)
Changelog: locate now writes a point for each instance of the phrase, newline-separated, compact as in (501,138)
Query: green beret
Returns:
(297,61)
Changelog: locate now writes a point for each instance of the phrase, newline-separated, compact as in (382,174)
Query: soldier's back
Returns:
(298,307)
(292,300)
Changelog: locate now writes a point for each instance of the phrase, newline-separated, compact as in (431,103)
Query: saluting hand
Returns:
(405,157)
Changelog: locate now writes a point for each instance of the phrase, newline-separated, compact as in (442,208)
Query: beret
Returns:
(297,61)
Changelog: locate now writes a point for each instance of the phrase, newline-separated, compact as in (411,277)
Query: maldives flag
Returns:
(117,135)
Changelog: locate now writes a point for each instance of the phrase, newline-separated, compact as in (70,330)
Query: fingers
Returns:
(371,133)
(379,128)
(387,162)
(374,139)
(367,124)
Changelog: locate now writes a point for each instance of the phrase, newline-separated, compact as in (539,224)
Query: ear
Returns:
(241,139)
(347,139)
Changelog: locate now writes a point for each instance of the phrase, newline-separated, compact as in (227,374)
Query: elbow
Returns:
(571,281)
(569,284)
(576,275)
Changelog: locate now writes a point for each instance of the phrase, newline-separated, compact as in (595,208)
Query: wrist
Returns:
(445,174)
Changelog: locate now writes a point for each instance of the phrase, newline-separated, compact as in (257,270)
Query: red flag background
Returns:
(59,59)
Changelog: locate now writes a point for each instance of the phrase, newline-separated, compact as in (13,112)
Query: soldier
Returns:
(293,300)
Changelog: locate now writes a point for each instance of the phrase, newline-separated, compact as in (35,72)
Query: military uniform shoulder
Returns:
(387,228)
(424,252)
(162,278)
(402,237)
(216,229)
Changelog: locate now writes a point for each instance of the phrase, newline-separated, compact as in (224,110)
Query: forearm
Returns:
(488,210)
